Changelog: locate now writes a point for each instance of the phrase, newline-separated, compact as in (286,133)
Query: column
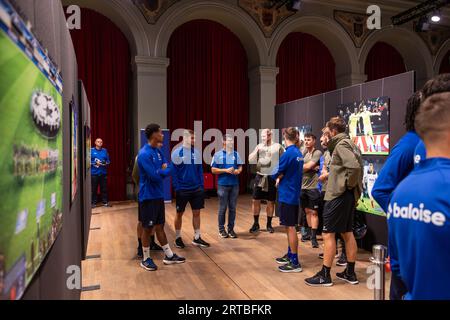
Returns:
(263,94)
(151,91)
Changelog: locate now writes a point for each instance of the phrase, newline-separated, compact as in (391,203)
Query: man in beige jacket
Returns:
(343,190)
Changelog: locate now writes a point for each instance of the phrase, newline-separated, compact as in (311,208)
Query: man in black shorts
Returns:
(153,245)
(325,162)
(187,180)
(152,170)
(310,196)
(266,155)
(288,175)
(343,190)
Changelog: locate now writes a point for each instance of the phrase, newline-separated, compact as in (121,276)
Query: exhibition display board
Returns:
(374,112)
(31,153)
(85,164)
(41,218)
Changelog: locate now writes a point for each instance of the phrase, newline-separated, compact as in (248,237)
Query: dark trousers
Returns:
(102,181)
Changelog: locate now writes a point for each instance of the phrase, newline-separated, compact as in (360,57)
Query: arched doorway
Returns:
(383,61)
(306,68)
(207,78)
(103,57)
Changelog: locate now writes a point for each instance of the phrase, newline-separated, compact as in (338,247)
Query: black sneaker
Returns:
(319,280)
(314,243)
(254,228)
(107,205)
(93,205)
(283,260)
(174,260)
(306,238)
(290,267)
(179,243)
(223,234)
(200,243)
(155,247)
(342,262)
(270,229)
(350,278)
(232,234)
(140,253)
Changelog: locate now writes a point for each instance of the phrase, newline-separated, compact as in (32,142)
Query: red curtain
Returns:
(306,68)
(383,61)
(207,79)
(103,58)
(445,65)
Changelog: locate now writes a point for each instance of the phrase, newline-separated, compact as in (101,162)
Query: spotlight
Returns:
(436,17)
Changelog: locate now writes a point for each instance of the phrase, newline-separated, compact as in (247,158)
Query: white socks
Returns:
(196,234)
(167,251)
(146,251)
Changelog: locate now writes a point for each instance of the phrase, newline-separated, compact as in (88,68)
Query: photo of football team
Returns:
(368,124)
(372,166)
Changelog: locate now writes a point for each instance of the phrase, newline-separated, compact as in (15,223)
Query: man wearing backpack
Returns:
(343,190)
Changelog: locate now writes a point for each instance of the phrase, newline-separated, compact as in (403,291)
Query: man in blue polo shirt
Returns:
(187,180)
(152,171)
(227,164)
(99,163)
(288,176)
(419,210)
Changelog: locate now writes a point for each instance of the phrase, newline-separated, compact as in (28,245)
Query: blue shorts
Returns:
(288,214)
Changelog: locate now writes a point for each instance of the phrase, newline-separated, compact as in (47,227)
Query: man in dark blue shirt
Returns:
(419,210)
(398,166)
(227,164)
(152,170)
(401,159)
(99,163)
(187,180)
(288,176)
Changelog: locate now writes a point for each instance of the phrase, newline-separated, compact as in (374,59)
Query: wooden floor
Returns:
(242,268)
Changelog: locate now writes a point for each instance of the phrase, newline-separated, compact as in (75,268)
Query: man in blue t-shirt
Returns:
(152,171)
(227,164)
(187,180)
(288,176)
(419,210)
(398,166)
(401,159)
(99,163)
